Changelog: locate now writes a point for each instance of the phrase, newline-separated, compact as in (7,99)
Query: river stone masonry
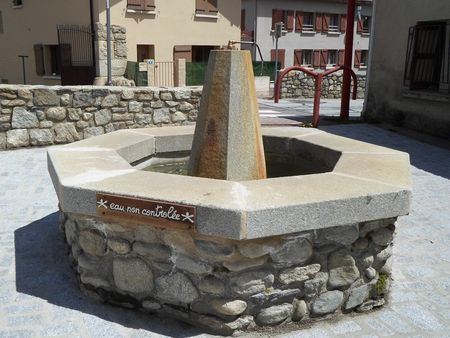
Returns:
(299,85)
(41,115)
(226,285)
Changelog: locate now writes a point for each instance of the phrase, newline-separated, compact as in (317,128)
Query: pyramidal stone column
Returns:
(227,142)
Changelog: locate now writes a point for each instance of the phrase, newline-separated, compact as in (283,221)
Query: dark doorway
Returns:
(77,58)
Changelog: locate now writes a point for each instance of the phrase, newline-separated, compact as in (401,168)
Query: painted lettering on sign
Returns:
(133,208)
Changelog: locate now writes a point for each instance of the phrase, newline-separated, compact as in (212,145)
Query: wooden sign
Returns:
(148,211)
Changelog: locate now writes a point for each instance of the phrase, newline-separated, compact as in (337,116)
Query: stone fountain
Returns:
(226,248)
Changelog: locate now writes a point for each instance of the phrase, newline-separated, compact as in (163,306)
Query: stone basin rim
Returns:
(237,210)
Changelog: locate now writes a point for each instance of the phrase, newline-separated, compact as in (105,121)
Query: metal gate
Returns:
(164,74)
(424,55)
(77,55)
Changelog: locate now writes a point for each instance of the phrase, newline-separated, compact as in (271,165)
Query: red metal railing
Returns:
(318,77)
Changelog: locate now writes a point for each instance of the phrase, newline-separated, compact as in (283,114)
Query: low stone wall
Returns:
(299,85)
(227,285)
(40,116)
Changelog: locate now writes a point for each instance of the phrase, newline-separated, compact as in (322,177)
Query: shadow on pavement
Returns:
(43,270)
(424,156)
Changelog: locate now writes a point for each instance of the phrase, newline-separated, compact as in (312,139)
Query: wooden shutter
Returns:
(211,7)
(357,58)
(316,58)
(323,58)
(318,22)
(281,56)
(149,5)
(138,5)
(39,59)
(359,28)
(277,16)
(242,20)
(299,21)
(297,57)
(341,57)
(343,23)
(290,21)
(200,6)
(325,22)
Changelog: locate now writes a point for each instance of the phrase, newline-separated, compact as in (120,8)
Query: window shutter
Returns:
(316,59)
(323,58)
(277,16)
(149,5)
(211,7)
(39,59)
(290,21)
(318,22)
(136,4)
(357,58)
(341,57)
(297,57)
(200,6)
(281,57)
(299,21)
(343,23)
(325,22)
(242,20)
(359,28)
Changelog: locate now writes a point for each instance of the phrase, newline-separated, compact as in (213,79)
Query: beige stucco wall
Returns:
(35,22)
(174,24)
(386,99)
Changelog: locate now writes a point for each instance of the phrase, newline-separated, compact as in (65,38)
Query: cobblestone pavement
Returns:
(39,296)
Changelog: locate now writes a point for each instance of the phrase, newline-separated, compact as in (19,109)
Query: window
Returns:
(304,22)
(361,58)
(141,5)
(145,52)
(201,53)
(17,3)
(330,23)
(206,8)
(286,17)
(364,25)
(48,60)
(332,58)
(334,23)
(307,57)
(427,64)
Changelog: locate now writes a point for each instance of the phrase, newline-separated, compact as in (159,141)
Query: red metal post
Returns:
(317,94)
(348,57)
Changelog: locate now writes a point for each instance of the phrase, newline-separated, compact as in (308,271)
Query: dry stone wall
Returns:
(298,85)
(41,116)
(228,285)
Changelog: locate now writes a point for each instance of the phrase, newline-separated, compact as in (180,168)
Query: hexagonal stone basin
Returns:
(250,253)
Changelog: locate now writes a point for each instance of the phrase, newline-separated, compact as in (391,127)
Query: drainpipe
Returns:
(91,10)
(255,30)
(108,42)
(369,68)
(348,57)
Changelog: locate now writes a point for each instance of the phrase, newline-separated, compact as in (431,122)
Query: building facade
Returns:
(49,34)
(313,35)
(409,73)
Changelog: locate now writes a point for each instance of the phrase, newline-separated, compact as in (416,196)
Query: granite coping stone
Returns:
(367,183)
